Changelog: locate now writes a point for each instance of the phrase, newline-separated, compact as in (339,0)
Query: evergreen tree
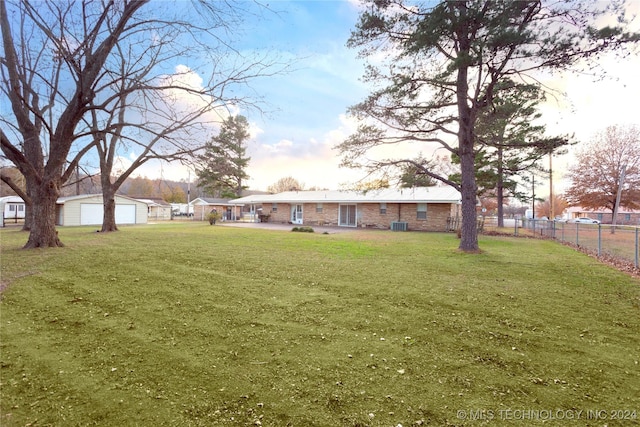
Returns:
(223,165)
(509,142)
(444,62)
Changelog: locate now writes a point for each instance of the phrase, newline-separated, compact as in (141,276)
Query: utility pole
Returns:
(188,192)
(533,196)
(551,201)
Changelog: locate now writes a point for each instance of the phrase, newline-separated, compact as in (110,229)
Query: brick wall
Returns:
(437,215)
(369,215)
(327,216)
(282,215)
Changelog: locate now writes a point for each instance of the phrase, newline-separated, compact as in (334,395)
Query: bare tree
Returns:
(288,183)
(170,116)
(85,75)
(559,204)
(49,73)
(607,171)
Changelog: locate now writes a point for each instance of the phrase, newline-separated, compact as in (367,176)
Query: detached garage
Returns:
(88,209)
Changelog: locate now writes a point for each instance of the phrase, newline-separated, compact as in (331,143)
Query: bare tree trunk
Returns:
(43,216)
(616,206)
(28,217)
(109,206)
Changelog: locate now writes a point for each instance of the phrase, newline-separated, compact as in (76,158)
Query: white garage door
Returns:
(125,214)
(92,213)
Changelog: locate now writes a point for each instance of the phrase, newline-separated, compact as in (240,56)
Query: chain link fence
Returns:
(614,242)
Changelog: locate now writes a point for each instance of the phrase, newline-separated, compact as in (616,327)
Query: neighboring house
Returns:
(422,208)
(158,209)
(88,209)
(625,216)
(229,210)
(12,208)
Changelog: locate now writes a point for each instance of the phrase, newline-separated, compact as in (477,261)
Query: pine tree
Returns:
(223,165)
(443,62)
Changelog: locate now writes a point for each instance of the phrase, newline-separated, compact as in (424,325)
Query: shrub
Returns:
(212,217)
(303,229)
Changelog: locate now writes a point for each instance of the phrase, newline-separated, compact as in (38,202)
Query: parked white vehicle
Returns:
(585,220)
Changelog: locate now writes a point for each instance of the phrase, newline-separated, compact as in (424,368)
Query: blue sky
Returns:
(306,107)
(305,110)
(303,114)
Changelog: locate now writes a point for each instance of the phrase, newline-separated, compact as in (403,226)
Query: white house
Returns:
(11,208)
(229,210)
(157,209)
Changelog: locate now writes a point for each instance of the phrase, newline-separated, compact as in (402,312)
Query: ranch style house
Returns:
(420,208)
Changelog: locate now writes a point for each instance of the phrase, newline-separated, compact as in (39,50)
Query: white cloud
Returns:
(312,162)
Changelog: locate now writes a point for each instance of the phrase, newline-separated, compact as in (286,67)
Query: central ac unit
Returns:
(399,226)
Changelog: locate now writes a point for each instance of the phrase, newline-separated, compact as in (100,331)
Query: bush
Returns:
(212,217)
(303,229)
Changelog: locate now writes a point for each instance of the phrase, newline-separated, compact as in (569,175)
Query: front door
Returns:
(296,214)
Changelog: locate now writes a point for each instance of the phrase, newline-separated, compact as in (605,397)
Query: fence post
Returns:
(637,248)
(577,234)
(599,240)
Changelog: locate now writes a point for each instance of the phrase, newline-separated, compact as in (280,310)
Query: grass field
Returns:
(194,325)
(620,245)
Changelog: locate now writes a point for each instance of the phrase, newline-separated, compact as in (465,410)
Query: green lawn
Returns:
(191,324)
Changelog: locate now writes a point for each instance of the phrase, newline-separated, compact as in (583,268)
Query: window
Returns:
(319,208)
(274,207)
(12,208)
(600,217)
(627,217)
(383,208)
(422,211)
(20,208)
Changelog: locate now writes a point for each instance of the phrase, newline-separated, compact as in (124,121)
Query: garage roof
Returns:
(62,200)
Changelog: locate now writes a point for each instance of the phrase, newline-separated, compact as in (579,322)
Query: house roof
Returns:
(155,202)
(386,195)
(213,201)
(63,200)
(11,199)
